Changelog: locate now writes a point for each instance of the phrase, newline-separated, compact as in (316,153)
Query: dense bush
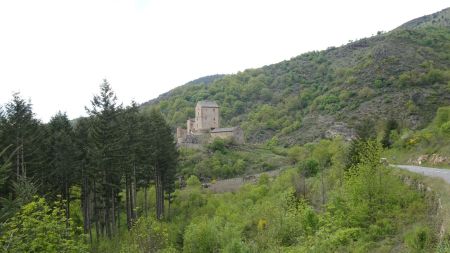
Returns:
(37,227)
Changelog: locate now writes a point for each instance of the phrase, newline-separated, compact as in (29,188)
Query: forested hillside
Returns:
(115,181)
(402,74)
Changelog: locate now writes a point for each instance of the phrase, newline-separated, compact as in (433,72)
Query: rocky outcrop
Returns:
(433,159)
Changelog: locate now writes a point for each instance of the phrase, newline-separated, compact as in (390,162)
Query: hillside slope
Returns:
(403,74)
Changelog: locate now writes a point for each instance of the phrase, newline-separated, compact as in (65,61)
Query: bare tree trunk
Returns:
(323,188)
(96,214)
(159,196)
(128,200)
(113,212)
(304,186)
(145,201)
(86,193)
(89,222)
(133,194)
(17,159)
(118,217)
(107,218)
(67,196)
(84,204)
(24,172)
(170,200)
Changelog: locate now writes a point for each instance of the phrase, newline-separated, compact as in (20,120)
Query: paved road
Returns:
(432,172)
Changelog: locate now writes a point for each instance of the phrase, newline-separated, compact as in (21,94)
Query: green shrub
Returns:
(193,181)
(147,235)
(309,168)
(37,227)
(218,144)
(202,237)
(263,179)
(418,239)
(442,116)
(445,128)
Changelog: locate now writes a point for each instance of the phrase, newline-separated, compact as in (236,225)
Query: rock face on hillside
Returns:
(402,75)
(433,159)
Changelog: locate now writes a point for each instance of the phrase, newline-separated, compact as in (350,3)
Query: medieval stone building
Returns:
(205,126)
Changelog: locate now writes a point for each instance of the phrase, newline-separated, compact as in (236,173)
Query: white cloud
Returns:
(57,52)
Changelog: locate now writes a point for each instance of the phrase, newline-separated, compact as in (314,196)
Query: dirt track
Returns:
(233,184)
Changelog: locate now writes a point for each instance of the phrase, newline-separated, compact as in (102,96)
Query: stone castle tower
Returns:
(206,116)
(206,126)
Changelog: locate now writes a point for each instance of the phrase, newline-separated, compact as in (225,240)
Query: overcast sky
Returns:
(57,52)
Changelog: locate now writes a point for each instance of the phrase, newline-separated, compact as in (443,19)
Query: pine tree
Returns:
(105,134)
(131,163)
(85,172)
(61,156)
(24,134)
(164,159)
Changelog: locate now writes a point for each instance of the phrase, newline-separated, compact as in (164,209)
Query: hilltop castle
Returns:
(205,127)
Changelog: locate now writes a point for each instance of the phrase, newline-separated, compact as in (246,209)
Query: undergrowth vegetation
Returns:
(223,159)
(408,145)
(316,206)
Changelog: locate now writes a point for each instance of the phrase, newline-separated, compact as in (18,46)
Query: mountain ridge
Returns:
(440,18)
(401,74)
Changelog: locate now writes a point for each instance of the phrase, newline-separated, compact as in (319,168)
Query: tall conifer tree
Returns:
(164,159)
(105,133)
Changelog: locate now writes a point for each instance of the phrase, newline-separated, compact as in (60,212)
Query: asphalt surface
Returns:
(427,171)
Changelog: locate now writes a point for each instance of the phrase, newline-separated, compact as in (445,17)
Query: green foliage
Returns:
(309,168)
(23,134)
(445,129)
(41,228)
(432,139)
(24,189)
(193,181)
(218,144)
(363,208)
(341,201)
(442,116)
(347,83)
(4,167)
(202,237)
(391,126)
(236,161)
(146,235)
(419,239)
(263,179)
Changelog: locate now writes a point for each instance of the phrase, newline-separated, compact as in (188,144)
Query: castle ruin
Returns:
(205,126)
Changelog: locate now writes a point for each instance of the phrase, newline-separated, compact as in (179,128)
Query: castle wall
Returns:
(222,135)
(181,133)
(237,135)
(190,126)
